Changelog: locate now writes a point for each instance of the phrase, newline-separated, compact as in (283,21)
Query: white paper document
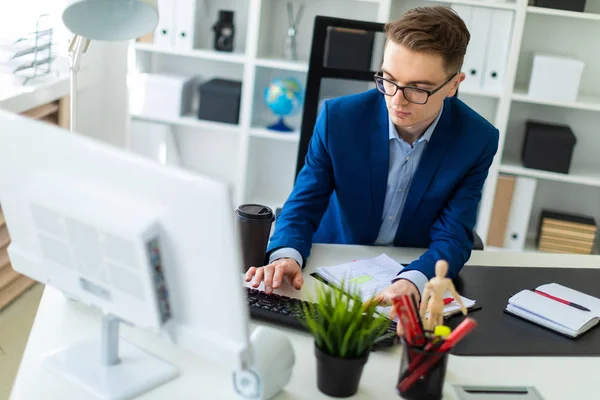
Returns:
(370,276)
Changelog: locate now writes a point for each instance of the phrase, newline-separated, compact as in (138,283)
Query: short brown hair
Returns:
(436,29)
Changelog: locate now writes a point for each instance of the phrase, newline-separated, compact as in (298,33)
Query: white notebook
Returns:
(553,314)
(370,276)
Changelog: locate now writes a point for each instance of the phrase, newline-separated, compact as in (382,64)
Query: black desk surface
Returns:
(502,334)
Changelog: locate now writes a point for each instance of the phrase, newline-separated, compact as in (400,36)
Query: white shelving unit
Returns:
(260,163)
(582,175)
(584,101)
(239,58)
(190,121)
(499,4)
(563,13)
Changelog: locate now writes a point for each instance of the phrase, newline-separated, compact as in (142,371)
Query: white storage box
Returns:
(555,78)
(166,95)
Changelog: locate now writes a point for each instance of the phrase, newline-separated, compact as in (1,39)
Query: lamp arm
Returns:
(77,47)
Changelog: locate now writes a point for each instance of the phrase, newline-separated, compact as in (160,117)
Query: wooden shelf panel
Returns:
(4,237)
(14,290)
(7,276)
(41,111)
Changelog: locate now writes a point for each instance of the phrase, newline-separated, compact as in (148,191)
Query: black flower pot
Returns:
(338,377)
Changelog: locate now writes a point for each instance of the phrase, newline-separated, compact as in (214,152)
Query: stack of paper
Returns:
(371,276)
(454,307)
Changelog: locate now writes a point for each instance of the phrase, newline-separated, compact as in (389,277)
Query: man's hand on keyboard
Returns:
(274,273)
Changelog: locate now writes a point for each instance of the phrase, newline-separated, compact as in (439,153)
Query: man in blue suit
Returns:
(400,165)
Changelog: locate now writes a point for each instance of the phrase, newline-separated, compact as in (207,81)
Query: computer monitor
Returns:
(148,244)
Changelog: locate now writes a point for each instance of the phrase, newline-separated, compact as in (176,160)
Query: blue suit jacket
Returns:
(339,193)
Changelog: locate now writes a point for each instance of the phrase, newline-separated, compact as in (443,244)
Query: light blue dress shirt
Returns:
(403,162)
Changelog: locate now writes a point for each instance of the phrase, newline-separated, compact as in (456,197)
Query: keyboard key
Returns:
(288,311)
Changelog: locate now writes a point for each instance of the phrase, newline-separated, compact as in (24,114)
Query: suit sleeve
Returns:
(302,212)
(452,234)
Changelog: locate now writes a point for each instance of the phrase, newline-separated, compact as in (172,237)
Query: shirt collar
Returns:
(393,134)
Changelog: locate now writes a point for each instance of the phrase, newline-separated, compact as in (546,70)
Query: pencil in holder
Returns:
(430,384)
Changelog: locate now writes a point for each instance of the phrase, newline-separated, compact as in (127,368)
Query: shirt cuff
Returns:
(286,252)
(416,277)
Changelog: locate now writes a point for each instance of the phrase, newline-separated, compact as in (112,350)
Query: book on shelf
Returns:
(561,232)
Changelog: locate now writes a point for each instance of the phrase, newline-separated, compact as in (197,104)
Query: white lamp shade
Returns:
(111,19)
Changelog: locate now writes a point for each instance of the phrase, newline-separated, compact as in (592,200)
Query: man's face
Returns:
(422,70)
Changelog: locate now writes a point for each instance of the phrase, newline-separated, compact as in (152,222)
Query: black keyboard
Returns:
(284,310)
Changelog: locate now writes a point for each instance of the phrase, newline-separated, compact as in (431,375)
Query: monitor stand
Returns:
(110,368)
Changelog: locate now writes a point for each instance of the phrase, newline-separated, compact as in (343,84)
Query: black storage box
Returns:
(548,147)
(220,100)
(569,5)
(348,49)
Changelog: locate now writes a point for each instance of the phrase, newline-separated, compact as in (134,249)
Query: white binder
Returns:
(520,213)
(473,66)
(164,33)
(464,12)
(498,48)
(185,24)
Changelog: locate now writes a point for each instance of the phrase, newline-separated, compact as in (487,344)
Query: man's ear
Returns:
(455,82)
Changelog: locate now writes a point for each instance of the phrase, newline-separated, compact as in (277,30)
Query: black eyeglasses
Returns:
(412,94)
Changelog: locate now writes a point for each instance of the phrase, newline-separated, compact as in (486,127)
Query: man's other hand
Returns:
(397,289)
(274,273)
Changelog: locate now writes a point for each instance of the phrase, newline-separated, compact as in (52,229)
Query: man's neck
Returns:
(411,134)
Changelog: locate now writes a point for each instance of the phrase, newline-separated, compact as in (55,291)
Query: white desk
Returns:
(60,322)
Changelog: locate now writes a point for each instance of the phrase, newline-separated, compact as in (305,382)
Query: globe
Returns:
(284,96)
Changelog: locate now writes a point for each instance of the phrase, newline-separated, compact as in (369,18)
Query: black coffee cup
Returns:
(254,225)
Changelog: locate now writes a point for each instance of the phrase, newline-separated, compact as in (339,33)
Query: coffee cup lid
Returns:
(255,211)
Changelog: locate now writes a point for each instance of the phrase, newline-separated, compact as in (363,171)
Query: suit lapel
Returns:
(428,165)
(379,165)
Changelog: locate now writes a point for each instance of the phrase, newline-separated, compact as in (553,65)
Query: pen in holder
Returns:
(412,385)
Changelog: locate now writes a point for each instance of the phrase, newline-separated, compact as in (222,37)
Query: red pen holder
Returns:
(430,385)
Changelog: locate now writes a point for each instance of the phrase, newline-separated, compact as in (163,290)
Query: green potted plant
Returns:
(344,331)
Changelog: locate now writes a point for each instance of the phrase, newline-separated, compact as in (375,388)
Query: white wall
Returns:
(102,105)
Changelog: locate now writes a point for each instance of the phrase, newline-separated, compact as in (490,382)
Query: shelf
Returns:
(41,111)
(563,13)
(238,58)
(480,3)
(293,137)
(582,175)
(17,98)
(528,248)
(191,121)
(480,93)
(300,66)
(584,101)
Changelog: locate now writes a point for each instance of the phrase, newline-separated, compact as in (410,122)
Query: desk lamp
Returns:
(111,20)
